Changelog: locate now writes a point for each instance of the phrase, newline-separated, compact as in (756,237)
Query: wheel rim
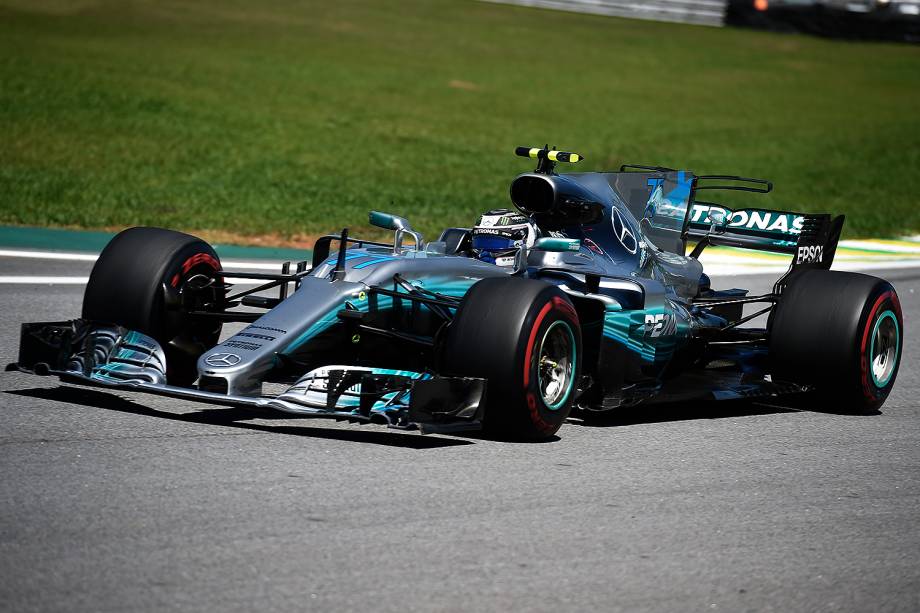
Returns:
(556,365)
(883,352)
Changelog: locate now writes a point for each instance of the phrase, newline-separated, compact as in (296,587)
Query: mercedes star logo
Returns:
(622,231)
(222,359)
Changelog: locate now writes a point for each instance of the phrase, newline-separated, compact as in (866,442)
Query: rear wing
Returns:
(666,202)
(748,228)
(810,238)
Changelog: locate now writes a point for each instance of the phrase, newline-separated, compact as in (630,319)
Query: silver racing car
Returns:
(584,296)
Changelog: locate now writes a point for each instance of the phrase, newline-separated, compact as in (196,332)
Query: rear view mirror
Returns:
(388,221)
(397,223)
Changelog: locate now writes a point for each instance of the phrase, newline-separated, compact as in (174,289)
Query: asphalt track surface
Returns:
(126,502)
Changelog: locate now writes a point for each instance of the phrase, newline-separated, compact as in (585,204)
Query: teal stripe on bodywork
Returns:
(442,285)
(628,328)
(330,318)
(378,260)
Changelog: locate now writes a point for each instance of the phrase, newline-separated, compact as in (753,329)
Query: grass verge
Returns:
(294,119)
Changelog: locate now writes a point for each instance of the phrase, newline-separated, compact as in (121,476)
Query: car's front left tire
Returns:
(524,337)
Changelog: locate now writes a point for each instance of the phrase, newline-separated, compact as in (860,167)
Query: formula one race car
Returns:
(602,310)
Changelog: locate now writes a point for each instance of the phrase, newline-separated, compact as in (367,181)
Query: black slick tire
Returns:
(137,283)
(841,332)
(509,330)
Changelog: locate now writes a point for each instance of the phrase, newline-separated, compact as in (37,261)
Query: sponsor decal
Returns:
(590,244)
(750,219)
(242,345)
(222,360)
(662,324)
(261,337)
(622,232)
(516,233)
(810,254)
(269,328)
(501,217)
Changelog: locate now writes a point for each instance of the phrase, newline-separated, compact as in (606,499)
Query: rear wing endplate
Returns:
(816,246)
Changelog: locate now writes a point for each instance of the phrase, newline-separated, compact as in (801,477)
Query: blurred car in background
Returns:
(869,19)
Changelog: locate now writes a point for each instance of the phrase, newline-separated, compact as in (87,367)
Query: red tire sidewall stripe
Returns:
(569,312)
(556,303)
(563,305)
(533,339)
(869,390)
(195,260)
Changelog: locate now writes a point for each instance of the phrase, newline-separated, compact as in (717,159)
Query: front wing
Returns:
(108,356)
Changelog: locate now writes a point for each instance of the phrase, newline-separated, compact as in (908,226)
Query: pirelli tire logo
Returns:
(810,254)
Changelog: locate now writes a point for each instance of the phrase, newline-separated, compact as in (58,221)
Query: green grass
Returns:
(296,118)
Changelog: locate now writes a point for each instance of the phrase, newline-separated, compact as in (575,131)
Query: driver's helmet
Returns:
(499,234)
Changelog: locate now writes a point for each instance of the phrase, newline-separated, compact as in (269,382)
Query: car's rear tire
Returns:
(524,337)
(841,332)
(138,282)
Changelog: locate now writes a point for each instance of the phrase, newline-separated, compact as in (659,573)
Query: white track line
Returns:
(91,257)
(45,280)
(713,270)
(38,280)
(730,269)
(889,247)
(49,255)
(718,265)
